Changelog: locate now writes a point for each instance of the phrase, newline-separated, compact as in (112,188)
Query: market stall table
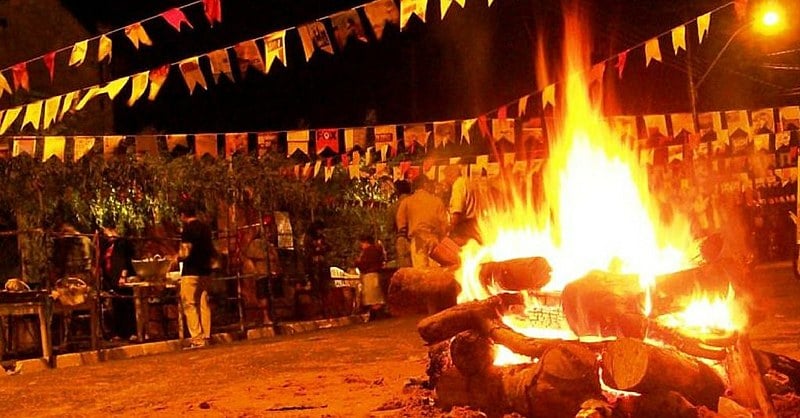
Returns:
(141,292)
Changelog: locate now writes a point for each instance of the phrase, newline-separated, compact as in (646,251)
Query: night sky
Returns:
(470,63)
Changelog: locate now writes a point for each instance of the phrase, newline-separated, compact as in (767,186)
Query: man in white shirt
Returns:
(463,207)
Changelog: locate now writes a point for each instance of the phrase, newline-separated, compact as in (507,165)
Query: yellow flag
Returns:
(274,46)
(466,125)
(113,88)
(522,106)
(549,96)
(83,144)
(51,107)
(54,146)
(297,140)
(33,113)
(412,7)
(104,48)
(192,75)
(220,64)
(24,146)
(702,26)
(66,105)
(4,87)
(157,78)
(652,51)
(9,118)
(317,167)
(490,3)
(137,35)
(138,86)
(91,94)
(679,38)
(111,145)
(78,54)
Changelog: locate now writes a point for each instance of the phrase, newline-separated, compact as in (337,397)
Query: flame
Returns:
(595,210)
(707,315)
(503,356)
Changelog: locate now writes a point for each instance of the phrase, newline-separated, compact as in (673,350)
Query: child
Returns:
(369,262)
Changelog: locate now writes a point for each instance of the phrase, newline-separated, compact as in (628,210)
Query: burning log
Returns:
(517,274)
(747,383)
(472,353)
(781,373)
(556,386)
(467,316)
(633,365)
(414,290)
(604,304)
(438,361)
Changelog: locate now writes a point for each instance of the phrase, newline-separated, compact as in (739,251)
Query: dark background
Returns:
(475,60)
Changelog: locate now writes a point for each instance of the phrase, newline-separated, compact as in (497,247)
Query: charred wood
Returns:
(414,290)
(464,317)
(517,274)
(472,353)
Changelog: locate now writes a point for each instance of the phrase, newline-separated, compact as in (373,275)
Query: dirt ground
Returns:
(357,371)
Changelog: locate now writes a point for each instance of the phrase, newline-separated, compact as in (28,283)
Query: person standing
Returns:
(401,245)
(463,207)
(423,218)
(196,253)
(116,255)
(369,263)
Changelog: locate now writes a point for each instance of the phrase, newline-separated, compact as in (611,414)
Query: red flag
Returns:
(621,58)
(345,160)
(213,9)
(502,113)
(484,126)
(20,73)
(175,18)
(404,166)
(328,138)
(329,162)
(49,62)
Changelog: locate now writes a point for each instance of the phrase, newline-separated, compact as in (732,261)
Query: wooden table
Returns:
(43,309)
(142,310)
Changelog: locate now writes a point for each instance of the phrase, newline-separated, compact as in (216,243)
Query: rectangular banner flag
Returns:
(205,144)
(54,146)
(790,118)
(444,133)
(297,141)
(763,121)
(314,38)
(265,142)
(415,134)
(274,45)
(327,139)
(347,28)
(146,145)
(503,129)
(382,13)
(111,145)
(177,140)
(235,143)
(81,146)
(23,145)
(355,137)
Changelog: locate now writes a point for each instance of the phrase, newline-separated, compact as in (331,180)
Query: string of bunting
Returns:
(734,137)
(347,27)
(135,32)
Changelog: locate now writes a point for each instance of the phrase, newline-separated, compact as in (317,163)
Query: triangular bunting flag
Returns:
(66,105)
(355,137)
(235,143)
(51,107)
(652,51)
(49,62)
(297,140)
(415,134)
(33,113)
(381,13)
(138,86)
(483,126)
(368,159)
(522,106)
(412,7)
(444,133)
(703,23)
(248,56)
(444,5)
(20,76)
(176,18)
(9,116)
(177,140)
(679,39)
(78,54)
(104,48)
(220,64)
(355,171)
(54,146)
(23,146)
(113,88)
(213,10)
(192,75)
(4,87)
(621,59)
(328,173)
(90,94)
(314,37)
(274,46)
(466,125)
(549,96)
(205,144)
(317,167)
(83,144)
(157,78)
(137,35)
(490,2)
(327,139)
(111,145)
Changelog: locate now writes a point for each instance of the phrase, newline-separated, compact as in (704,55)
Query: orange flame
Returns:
(597,211)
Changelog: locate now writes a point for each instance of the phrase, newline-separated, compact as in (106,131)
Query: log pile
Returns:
(565,379)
